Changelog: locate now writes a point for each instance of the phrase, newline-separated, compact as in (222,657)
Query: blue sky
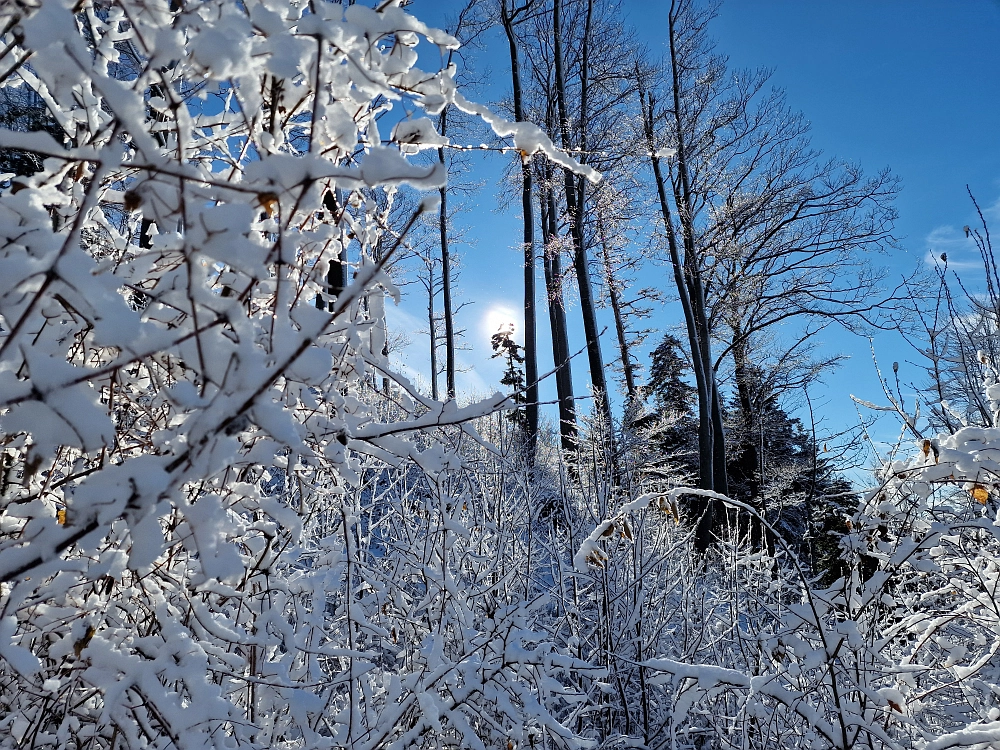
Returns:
(913,85)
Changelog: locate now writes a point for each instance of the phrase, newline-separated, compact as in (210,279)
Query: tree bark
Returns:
(449,322)
(575,199)
(704,510)
(628,368)
(557,318)
(433,331)
(530,323)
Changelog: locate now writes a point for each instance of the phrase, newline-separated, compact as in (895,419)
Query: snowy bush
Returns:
(900,652)
(225,522)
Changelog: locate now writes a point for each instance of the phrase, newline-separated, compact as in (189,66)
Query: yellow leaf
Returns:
(269,202)
(980,494)
(61,516)
(927,448)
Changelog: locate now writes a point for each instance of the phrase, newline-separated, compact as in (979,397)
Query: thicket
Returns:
(225,521)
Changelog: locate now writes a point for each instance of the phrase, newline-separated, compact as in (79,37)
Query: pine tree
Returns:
(673,398)
(22,110)
(774,464)
(513,353)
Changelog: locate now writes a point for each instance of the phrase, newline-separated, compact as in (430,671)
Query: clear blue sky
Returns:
(913,85)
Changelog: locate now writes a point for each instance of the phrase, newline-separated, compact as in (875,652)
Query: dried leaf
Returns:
(269,202)
(132,200)
(81,644)
(980,494)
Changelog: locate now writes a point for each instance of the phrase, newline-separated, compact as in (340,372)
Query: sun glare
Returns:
(500,315)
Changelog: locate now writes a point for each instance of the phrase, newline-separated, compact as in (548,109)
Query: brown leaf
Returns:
(269,202)
(132,200)
(81,644)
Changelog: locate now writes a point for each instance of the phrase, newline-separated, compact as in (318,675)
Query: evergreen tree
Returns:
(504,346)
(22,110)
(774,465)
(674,426)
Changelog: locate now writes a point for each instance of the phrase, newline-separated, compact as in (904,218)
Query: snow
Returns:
(226,522)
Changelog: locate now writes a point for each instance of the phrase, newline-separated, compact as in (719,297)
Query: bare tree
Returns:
(760,230)
(509,17)
(621,260)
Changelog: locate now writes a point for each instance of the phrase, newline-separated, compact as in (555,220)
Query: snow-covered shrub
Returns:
(224,521)
(901,652)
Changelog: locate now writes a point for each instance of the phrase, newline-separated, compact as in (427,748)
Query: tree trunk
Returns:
(433,331)
(704,510)
(557,318)
(530,324)
(616,305)
(336,277)
(685,208)
(575,198)
(449,322)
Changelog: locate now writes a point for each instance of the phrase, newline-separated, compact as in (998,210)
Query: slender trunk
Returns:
(449,322)
(557,320)
(616,305)
(530,324)
(575,197)
(433,332)
(704,510)
(710,403)
(751,457)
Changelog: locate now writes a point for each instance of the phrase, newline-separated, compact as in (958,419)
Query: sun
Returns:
(499,315)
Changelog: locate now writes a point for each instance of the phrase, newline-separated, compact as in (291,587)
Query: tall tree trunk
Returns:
(557,317)
(449,322)
(751,458)
(530,324)
(704,510)
(433,330)
(616,305)
(336,275)
(575,199)
(696,289)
